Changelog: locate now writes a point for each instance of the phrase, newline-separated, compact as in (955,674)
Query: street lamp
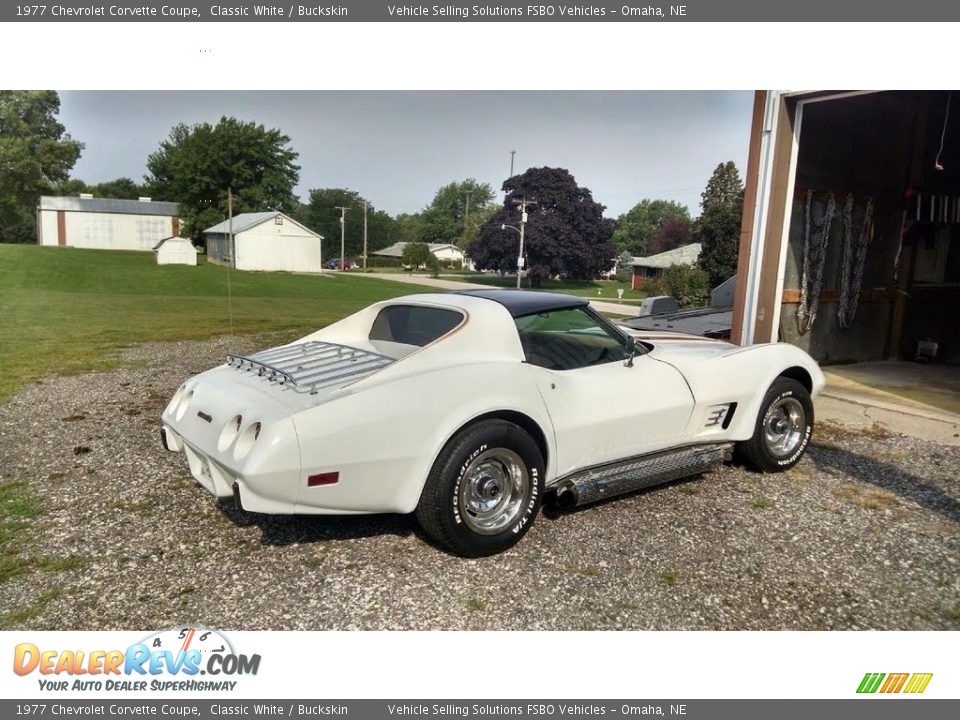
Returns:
(518,230)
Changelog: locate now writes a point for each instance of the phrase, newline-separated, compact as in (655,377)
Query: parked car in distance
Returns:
(334,264)
(467,407)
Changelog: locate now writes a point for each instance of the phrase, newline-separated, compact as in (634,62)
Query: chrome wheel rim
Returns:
(494,490)
(784,426)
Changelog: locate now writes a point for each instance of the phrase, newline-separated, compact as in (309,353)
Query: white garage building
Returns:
(176,251)
(265,241)
(105,223)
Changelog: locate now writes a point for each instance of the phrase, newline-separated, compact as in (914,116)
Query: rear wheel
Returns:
(783,428)
(484,491)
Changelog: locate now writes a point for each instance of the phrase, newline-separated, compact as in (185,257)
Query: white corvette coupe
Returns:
(468,407)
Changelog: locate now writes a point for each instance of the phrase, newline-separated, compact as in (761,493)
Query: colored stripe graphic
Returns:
(870,682)
(918,682)
(894,682)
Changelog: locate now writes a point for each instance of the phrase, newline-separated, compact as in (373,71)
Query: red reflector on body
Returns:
(330,478)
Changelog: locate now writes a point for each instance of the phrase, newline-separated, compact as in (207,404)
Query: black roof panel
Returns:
(527,302)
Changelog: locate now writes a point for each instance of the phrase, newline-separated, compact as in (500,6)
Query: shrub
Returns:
(688,284)
(433,265)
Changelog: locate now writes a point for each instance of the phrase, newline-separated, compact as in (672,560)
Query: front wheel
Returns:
(484,491)
(783,428)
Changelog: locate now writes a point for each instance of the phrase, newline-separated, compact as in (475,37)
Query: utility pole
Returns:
(522,203)
(231,252)
(512,153)
(343,225)
(230,224)
(365,203)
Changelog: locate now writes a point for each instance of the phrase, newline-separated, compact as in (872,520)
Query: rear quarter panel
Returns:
(383,439)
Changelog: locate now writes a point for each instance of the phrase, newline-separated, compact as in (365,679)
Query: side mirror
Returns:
(631,351)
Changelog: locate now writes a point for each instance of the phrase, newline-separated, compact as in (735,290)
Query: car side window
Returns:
(413,324)
(569,339)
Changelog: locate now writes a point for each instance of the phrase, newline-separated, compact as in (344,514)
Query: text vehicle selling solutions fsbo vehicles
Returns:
(467,407)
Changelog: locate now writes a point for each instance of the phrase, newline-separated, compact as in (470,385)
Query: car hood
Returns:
(684,351)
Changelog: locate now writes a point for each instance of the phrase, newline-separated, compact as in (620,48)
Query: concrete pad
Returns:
(914,384)
(864,417)
(890,394)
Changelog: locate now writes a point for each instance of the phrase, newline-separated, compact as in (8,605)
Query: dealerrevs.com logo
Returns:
(910,683)
(173,659)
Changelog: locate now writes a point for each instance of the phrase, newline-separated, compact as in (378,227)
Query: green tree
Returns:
(122,188)
(71,187)
(445,219)
(566,233)
(196,165)
(407,227)
(637,227)
(718,228)
(36,152)
(416,254)
(321,214)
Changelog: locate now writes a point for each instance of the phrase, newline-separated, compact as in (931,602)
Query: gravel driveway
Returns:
(114,534)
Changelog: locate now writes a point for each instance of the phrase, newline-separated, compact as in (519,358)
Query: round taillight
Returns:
(246,440)
(172,405)
(230,432)
(184,404)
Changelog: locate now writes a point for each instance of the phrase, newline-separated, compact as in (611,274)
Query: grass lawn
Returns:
(594,289)
(63,310)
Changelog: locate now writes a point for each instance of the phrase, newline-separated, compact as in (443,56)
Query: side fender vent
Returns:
(720,415)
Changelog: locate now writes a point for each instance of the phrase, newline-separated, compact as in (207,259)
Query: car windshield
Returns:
(570,338)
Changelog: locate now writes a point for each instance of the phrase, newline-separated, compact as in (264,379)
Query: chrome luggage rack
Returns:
(311,365)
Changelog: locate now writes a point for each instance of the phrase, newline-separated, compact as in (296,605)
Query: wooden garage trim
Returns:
(749,209)
(61,228)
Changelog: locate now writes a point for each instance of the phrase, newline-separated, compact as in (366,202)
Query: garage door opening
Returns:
(851,235)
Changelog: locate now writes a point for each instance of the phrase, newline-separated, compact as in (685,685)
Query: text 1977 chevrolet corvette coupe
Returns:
(468,407)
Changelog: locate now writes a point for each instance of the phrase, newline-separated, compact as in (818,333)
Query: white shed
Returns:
(176,251)
(265,241)
(105,223)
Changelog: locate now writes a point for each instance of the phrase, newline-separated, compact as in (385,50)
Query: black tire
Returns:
(786,401)
(467,470)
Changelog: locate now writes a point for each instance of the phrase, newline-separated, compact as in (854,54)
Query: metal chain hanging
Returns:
(816,239)
(854,259)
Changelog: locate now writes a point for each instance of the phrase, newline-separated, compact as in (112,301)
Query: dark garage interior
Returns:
(874,228)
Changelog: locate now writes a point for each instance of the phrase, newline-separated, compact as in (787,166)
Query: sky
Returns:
(397,148)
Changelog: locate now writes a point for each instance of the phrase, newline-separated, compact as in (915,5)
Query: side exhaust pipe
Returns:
(624,476)
(567,496)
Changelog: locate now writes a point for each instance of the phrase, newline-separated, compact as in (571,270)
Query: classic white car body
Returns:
(369,443)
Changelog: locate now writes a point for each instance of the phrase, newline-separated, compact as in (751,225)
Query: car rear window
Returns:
(413,324)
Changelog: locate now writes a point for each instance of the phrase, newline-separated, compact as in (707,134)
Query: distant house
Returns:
(650,268)
(444,252)
(105,223)
(175,251)
(268,241)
